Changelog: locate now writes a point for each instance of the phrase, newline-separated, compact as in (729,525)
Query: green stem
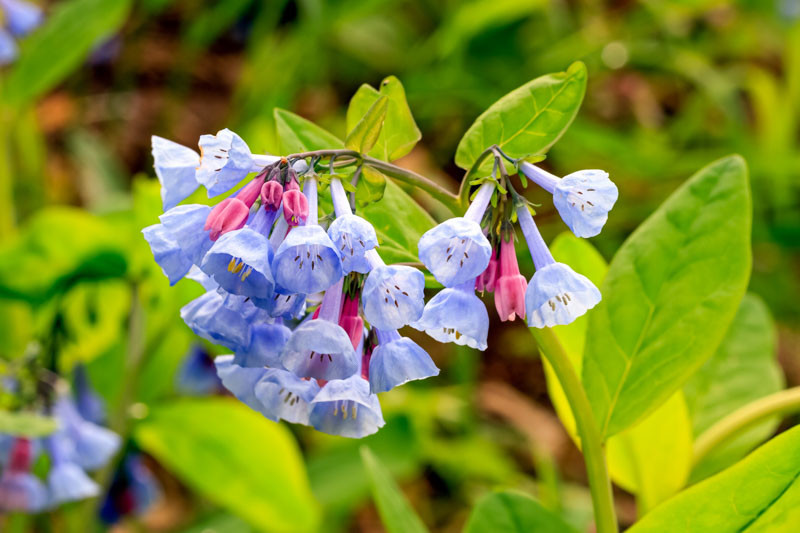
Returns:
(591,441)
(785,401)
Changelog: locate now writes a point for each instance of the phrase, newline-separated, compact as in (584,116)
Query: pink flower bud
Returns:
(271,194)
(20,456)
(295,207)
(291,185)
(250,192)
(509,289)
(228,215)
(486,281)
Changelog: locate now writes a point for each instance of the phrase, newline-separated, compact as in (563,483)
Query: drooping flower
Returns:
(92,446)
(66,481)
(197,375)
(457,250)
(167,252)
(556,294)
(225,160)
(284,396)
(20,490)
(352,236)
(509,293)
(347,408)
(179,241)
(228,215)
(239,263)
(175,166)
(240,381)
(133,490)
(266,344)
(222,318)
(17,18)
(488,278)
(397,360)
(583,198)
(456,315)
(295,203)
(393,295)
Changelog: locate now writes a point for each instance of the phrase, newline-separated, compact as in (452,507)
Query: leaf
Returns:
(511,511)
(759,493)
(234,457)
(365,133)
(669,295)
(743,369)
(651,459)
(371,186)
(396,513)
(58,248)
(400,133)
(528,120)
(297,134)
(24,424)
(62,44)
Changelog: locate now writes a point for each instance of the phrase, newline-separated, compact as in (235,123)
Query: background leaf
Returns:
(218,442)
(670,293)
(296,134)
(365,133)
(743,369)
(528,120)
(760,493)
(68,36)
(24,424)
(396,513)
(514,512)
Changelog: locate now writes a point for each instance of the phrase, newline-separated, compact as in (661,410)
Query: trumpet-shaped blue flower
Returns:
(457,250)
(20,490)
(393,296)
(223,319)
(21,17)
(185,224)
(266,344)
(89,404)
(239,262)
(583,198)
(175,166)
(66,481)
(284,396)
(397,360)
(320,349)
(352,235)
(167,252)
(556,294)
(240,381)
(347,408)
(283,304)
(456,315)
(133,490)
(8,48)
(92,445)
(306,261)
(225,159)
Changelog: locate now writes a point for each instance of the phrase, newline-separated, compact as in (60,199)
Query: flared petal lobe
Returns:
(320,349)
(353,237)
(396,361)
(347,408)
(456,315)
(583,200)
(557,295)
(224,161)
(454,251)
(306,261)
(393,296)
(175,166)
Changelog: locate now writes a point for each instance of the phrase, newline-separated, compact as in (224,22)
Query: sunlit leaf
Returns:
(365,133)
(514,512)
(24,424)
(297,134)
(396,513)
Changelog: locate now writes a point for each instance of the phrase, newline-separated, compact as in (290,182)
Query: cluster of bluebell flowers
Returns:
(311,313)
(17,18)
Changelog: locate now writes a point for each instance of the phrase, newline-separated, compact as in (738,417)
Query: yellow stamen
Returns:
(231,264)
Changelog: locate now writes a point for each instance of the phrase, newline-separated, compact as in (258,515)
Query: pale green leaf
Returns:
(297,134)
(761,493)
(670,293)
(510,511)
(234,457)
(528,120)
(396,513)
(371,186)
(743,369)
(365,133)
(25,424)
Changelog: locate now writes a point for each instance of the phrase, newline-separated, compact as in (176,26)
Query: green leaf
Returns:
(399,222)
(297,134)
(24,424)
(528,120)
(651,459)
(669,295)
(371,186)
(396,513)
(743,369)
(365,133)
(60,247)
(234,457)
(510,511)
(69,34)
(760,493)
(400,133)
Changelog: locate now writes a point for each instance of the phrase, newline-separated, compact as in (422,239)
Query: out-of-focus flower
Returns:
(20,490)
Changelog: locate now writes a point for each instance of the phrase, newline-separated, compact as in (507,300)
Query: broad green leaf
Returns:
(528,120)
(396,513)
(399,222)
(365,133)
(670,293)
(58,248)
(651,459)
(743,369)
(400,133)
(371,186)
(510,511)
(297,134)
(234,457)
(70,33)
(761,493)
(24,424)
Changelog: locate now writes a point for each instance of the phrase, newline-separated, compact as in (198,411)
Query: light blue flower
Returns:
(186,223)
(8,48)
(306,261)
(239,262)
(284,396)
(89,404)
(583,198)
(66,481)
(393,296)
(21,17)
(167,252)
(320,349)
(397,360)
(266,344)
(454,251)
(22,491)
(353,237)
(456,315)
(197,375)
(175,166)
(282,304)
(225,159)
(198,276)
(92,445)
(221,318)
(345,407)
(240,381)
